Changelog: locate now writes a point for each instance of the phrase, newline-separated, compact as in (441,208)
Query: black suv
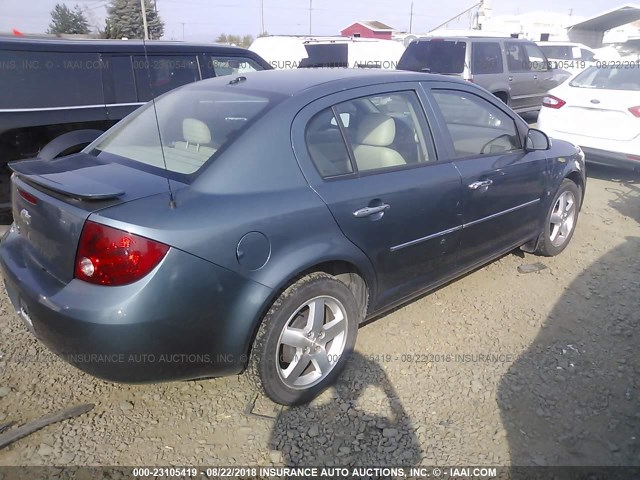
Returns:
(59,95)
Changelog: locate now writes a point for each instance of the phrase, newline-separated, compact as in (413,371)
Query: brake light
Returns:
(28,197)
(553,102)
(635,111)
(109,256)
(634,157)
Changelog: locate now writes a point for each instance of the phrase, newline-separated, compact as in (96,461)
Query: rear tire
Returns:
(561,220)
(304,340)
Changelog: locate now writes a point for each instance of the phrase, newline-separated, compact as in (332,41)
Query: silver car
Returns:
(514,70)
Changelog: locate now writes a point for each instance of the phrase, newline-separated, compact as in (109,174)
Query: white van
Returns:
(283,52)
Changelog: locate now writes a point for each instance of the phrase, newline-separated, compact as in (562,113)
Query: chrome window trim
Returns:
(50,109)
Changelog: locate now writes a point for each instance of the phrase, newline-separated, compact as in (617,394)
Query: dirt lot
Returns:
(498,368)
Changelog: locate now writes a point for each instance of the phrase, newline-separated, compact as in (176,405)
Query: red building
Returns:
(368,29)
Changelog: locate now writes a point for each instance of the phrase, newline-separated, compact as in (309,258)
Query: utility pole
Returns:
(144,20)
(310,14)
(411,19)
(262,16)
(182,31)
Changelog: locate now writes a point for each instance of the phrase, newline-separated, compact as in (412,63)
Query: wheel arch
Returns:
(359,279)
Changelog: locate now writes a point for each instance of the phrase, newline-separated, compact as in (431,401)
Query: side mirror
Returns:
(537,140)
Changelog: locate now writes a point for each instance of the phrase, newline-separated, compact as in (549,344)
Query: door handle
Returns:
(482,184)
(535,77)
(510,78)
(368,211)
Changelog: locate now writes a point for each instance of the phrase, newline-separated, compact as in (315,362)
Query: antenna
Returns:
(172,202)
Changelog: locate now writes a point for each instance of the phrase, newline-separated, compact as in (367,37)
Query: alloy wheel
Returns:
(563,218)
(311,343)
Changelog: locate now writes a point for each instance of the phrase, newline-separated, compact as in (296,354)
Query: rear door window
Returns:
(384,131)
(434,56)
(516,57)
(159,74)
(118,81)
(49,79)
(486,57)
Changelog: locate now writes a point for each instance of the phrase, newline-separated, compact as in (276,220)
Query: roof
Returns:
(611,19)
(470,37)
(108,46)
(372,25)
(292,82)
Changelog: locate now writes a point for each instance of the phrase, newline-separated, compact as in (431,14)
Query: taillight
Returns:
(553,102)
(28,197)
(108,256)
(635,111)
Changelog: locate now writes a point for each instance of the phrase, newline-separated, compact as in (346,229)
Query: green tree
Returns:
(124,20)
(240,41)
(65,20)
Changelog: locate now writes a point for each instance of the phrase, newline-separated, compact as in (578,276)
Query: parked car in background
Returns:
(599,110)
(514,70)
(575,57)
(59,95)
(286,52)
(302,203)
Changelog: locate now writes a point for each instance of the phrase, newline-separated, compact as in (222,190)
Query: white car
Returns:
(599,110)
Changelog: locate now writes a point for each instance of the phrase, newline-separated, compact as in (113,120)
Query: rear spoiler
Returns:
(69,183)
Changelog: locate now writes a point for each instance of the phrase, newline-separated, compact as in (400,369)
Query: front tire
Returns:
(561,220)
(304,340)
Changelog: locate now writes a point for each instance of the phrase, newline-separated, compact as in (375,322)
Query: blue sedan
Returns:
(253,223)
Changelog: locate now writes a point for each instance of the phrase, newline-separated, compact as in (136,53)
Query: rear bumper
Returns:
(613,159)
(186,319)
(613,153)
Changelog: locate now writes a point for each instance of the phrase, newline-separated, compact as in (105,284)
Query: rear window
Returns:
(29,79)
(610,78)
(326,55)
(434,56)
(560,52)
(195,124)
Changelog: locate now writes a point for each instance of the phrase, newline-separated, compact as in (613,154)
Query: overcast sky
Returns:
(204,20)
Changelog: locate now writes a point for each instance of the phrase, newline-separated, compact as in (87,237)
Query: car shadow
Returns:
(626,189)
(360,421)
(573,398)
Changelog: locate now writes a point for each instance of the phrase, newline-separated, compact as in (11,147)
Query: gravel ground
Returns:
(497,368)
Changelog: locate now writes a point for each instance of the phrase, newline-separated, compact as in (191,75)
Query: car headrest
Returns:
(195,131)
(377,130)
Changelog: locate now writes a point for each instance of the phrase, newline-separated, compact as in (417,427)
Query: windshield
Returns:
(610,78)
(194,124)
(434,56)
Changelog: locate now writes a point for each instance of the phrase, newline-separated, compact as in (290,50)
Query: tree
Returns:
(124,20)
(65,20)
(240,41)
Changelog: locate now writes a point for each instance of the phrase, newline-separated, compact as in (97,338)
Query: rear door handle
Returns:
(368,211)
(535,77)
(510,78)
(482,184)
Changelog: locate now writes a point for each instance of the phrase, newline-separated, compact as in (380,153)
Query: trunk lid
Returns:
(51,199)
(600,113)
